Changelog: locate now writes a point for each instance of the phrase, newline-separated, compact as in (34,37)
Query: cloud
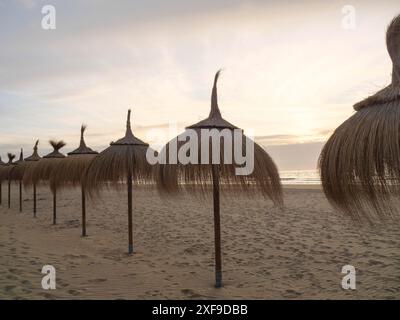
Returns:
(318,135)
(282,78)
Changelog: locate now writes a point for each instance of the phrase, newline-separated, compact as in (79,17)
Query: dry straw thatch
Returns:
(2,166)
(6,168)
(360,163)
(43,170)
(5,174)
(263,180)
(71,170)
(28,164)
(16,174)
(124,160)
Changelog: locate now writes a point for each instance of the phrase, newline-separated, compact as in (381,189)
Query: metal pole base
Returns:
(218,279)
(130,250)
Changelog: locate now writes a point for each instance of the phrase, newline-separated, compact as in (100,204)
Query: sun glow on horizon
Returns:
(291,73)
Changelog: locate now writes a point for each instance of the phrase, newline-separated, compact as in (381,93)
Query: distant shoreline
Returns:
(300,177)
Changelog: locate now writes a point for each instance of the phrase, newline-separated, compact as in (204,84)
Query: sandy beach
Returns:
(296,253)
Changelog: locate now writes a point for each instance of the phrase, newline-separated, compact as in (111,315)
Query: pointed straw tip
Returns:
(393,47)
(214,97)
(57,145)
(83,128)
(217,74)
(393,28)
(128,121)
(10,156)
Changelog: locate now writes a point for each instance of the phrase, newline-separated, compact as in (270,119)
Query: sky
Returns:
(291,70)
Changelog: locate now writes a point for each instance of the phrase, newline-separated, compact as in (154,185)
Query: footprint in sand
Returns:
(97,280)
(62,284)
(47,295)
(73,292)
(190,293)
(291,294)
(8,289)
(26,283)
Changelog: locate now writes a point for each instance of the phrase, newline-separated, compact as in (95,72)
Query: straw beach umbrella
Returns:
(71,171)
(5,175)
(2,166)
(16,174)
(28,164)
(43,170)
(123,160)
(360,163)
(263,179)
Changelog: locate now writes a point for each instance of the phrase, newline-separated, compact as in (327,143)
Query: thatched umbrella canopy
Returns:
(263,179)
(71,171)
(43,170)
(19,171)
(16,174)
(5,174)
(2,165)
(123,160)
(360,163)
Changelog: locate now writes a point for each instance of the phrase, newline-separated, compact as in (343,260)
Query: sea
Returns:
(300,177)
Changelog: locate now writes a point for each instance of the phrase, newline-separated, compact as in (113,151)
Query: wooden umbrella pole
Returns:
(9,193)
(55,206)
(83,212)
(34,200)
(129,182)
(1,193)
(217,227)
(20,195)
